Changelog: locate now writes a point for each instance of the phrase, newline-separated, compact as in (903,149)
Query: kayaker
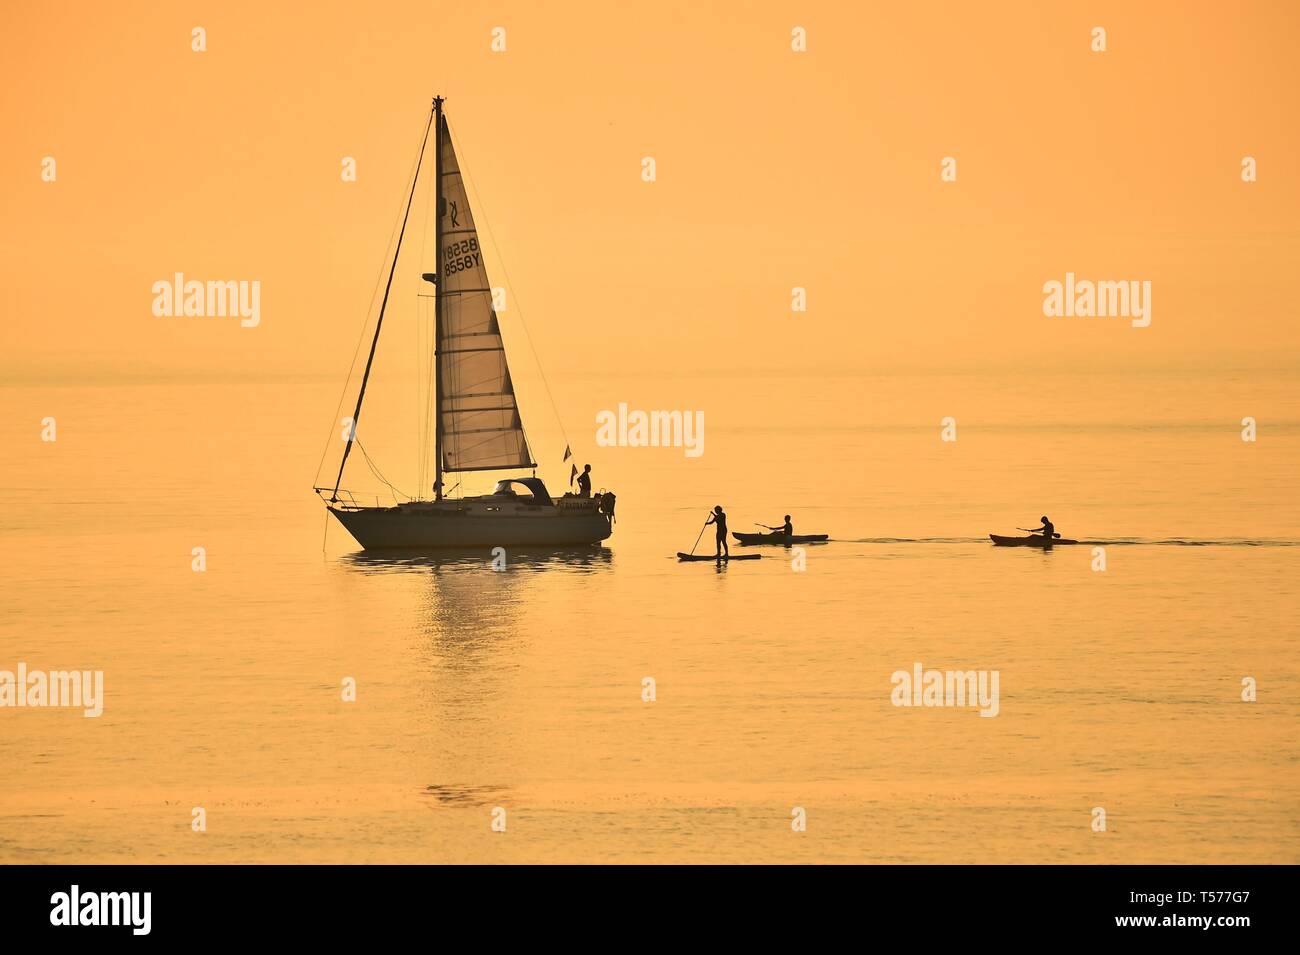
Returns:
(787,528)
(1048,529)
(720,519)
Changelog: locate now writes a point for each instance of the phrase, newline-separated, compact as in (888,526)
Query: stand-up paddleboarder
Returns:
(719,518)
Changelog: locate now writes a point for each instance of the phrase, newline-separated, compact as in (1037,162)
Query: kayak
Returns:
(1036,541)
(776,537)
(681,556)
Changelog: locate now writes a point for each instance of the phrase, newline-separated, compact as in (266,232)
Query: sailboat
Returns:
(477,424)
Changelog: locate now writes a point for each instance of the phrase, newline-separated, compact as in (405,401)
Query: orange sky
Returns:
(775,169)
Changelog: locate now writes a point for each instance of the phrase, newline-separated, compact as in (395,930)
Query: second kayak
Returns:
(1035,541)
(779,538)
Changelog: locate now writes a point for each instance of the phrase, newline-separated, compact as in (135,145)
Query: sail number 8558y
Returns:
(461,256)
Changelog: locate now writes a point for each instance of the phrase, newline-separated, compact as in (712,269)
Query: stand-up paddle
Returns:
(698,536)
(718,557)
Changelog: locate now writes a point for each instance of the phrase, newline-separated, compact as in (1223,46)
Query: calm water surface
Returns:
(522,689)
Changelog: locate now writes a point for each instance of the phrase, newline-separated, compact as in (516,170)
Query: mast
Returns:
(379,323)
(437,304)
(479,426)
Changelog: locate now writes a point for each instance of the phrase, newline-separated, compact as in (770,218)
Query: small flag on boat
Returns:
(567,454)
(573,474)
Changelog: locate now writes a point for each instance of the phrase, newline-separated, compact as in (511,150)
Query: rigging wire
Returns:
(430,388)
(478,201)
(374,295)
(424,384)
(430,393)
(388,287)
(376,472)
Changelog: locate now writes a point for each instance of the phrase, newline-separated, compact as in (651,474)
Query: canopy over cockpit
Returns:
(537,493)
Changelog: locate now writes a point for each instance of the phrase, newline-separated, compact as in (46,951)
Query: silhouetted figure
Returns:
(719,518)
(1048,529)
(584,482)
(787,528)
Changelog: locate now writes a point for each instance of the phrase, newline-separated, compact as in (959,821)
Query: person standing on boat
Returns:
(1048,529)
(719,518)
(786,529)
(584,482)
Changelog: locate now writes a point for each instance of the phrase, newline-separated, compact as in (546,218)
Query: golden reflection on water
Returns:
(521,689)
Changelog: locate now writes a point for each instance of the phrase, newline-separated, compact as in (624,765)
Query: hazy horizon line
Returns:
(1216,363)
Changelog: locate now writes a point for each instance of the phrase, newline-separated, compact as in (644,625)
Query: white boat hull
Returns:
(453,524)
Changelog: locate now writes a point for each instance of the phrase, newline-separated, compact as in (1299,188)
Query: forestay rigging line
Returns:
(374,294)
(370,359)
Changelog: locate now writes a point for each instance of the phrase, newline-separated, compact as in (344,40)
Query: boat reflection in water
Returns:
(403,560)
(464,654)
(470,606)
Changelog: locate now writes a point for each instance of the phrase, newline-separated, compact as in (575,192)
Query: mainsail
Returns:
(480,427)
